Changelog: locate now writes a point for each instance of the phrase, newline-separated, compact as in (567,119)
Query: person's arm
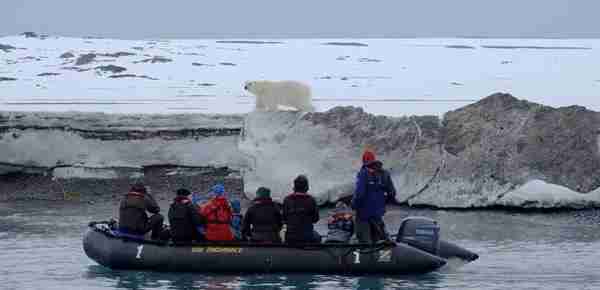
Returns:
(360,188)
(151,205)
(279,218)
(315,215)
(197,219)
(284,211)
(246,223)
(390,188)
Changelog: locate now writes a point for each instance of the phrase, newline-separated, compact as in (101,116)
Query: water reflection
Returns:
(119,279)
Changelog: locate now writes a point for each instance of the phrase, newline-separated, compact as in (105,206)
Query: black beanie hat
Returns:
(301,184)
(263,192)
(183,191)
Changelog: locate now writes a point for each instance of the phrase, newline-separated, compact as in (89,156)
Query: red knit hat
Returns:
(368,156)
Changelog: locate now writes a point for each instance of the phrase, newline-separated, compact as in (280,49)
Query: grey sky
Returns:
(132,19)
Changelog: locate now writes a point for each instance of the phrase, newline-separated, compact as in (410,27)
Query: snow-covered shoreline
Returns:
(432,162)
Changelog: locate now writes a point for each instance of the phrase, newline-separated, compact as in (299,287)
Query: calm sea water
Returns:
(40,248)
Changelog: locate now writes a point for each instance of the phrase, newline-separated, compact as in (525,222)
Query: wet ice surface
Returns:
(40,247)
(385,76)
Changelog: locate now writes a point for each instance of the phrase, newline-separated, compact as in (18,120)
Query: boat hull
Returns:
(118,253)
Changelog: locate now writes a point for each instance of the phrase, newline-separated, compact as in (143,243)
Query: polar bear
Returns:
(280,95)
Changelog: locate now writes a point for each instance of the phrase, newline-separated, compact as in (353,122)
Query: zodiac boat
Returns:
(417,249)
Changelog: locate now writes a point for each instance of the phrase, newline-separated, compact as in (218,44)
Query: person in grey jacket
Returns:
(340,224)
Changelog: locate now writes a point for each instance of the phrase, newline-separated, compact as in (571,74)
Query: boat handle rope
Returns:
(361,248)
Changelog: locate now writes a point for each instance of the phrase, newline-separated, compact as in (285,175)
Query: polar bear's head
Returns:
(254,87)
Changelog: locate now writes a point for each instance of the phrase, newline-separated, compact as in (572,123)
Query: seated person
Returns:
(236,220)
(300,212)
(263,220)
(133,219)
(184,218)
(340,224)
(218,215)
(198,199)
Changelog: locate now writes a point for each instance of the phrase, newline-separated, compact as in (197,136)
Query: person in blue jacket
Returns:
(373,187)
(237,219)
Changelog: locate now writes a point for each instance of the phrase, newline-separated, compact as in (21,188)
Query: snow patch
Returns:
(84,172)
(540,194)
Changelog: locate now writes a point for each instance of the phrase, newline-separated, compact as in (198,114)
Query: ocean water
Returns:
(384,76)
(40,248)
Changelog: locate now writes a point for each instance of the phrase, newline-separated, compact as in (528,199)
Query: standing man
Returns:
(373,186)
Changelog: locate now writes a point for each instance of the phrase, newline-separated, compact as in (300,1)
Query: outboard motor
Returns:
(420,232)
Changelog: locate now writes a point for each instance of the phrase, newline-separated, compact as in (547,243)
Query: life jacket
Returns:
(341,221)
(132,214)
(182,226)
(218,214)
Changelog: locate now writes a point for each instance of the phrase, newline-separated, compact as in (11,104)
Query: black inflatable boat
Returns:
(417,249)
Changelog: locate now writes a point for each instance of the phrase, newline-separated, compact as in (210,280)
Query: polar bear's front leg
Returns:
(270,102)
(260,103)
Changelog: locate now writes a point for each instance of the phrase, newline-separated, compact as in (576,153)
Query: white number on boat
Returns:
(139,252)
(356,257)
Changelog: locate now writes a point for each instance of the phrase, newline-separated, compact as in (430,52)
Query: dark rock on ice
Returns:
(111,68)
(132,76)
(117,54)
(7,48)
(155,59)
(30,34)
(67,55)
(460,46)
(337,43)
(85,59)
(47,74)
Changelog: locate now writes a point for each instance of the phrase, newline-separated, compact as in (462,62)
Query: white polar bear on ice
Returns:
(280,95)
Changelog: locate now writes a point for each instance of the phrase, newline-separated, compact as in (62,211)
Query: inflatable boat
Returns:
(417,249)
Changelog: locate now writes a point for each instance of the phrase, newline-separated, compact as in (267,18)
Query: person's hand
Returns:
(391,199)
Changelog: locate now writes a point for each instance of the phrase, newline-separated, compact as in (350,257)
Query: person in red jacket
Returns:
(218,214)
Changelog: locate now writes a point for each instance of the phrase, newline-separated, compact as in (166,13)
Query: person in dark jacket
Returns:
(133,219)
(373,186)
(184,218)
(300,213)
(263,221)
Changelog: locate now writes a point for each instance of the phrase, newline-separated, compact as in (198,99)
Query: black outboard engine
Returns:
(420,232)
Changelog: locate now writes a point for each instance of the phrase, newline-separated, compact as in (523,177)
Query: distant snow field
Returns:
(384,76)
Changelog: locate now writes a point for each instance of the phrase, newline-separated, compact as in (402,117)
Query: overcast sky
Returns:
(132,19)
